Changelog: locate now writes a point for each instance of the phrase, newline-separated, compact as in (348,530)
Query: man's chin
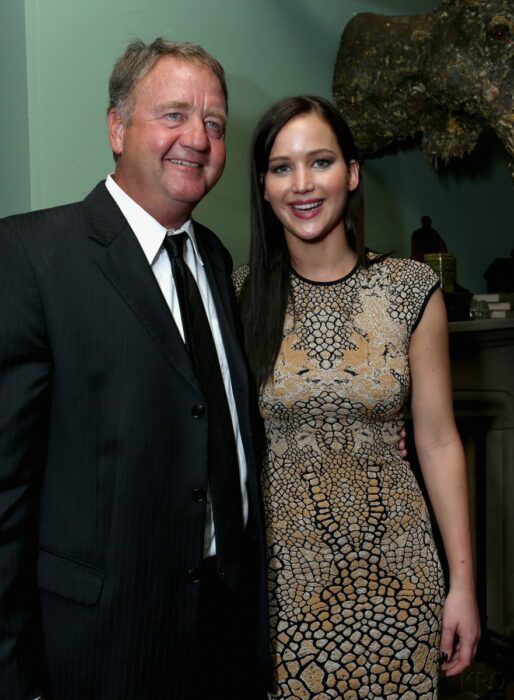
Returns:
(189,195)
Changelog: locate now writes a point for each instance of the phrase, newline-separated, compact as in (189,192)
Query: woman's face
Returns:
(307,181)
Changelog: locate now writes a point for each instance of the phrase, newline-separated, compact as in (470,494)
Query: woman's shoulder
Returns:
(408,286)
(239,277)
(404,270)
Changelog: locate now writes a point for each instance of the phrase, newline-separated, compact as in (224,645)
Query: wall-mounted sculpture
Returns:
(447,75)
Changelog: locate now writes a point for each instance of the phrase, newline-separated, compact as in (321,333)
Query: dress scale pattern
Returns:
(355,584)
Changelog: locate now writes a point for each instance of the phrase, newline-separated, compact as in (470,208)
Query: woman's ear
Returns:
(353,175)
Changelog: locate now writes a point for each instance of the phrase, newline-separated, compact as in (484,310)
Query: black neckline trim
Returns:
(325,284)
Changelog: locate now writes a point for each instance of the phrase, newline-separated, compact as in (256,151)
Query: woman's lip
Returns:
(306,208)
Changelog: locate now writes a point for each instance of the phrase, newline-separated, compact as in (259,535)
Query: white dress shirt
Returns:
(150,235)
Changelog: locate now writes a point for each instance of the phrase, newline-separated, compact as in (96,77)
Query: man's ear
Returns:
(116,131)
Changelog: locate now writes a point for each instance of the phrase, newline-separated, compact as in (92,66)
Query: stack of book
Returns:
(499,303)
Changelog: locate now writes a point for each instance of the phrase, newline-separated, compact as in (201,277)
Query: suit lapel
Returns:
(123,262)
(222,294)
(228,317)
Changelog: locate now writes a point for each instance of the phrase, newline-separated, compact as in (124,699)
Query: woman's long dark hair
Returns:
(265,294)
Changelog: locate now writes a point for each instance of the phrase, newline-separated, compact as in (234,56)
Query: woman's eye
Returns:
(279,169)
(322,163)
(500,32)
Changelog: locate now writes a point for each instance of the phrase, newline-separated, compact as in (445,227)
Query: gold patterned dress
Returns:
(355,584)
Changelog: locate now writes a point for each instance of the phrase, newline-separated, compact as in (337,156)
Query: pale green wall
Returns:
(269,48)
(14,141)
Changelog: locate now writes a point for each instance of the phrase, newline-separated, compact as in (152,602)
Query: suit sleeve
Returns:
(25,369)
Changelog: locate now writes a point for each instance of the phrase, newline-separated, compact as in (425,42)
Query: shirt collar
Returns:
(148,231)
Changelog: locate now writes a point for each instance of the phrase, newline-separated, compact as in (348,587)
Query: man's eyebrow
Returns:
(174,104)
(177,104)
(219,113)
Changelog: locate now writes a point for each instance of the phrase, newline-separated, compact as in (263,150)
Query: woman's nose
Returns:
(302,182)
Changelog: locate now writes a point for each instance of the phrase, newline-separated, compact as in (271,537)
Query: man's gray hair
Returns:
(139,58)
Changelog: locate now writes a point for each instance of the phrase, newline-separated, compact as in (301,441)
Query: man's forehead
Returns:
(182,66)
(178,76)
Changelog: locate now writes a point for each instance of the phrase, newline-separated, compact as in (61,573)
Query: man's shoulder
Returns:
(53,220)
(212,244)
(50,215)
(207,234)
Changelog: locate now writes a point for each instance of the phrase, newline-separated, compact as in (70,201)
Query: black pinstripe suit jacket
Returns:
(99,456)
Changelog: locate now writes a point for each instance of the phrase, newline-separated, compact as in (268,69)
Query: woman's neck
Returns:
(323,260)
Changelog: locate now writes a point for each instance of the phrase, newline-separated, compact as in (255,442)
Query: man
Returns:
(119,575)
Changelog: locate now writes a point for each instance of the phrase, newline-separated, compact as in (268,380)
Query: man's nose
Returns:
(195,134)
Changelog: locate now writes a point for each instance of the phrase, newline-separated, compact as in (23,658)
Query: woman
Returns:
(338,338)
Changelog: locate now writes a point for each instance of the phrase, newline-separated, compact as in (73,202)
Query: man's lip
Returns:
(185,162)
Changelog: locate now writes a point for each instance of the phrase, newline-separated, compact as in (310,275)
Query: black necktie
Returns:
(223,474)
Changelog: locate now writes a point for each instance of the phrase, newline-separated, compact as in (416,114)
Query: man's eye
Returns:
(214,125)
(173,116)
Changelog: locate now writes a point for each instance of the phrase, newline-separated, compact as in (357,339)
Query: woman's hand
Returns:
(461,631)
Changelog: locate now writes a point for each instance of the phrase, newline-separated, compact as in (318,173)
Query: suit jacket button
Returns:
(198,411)
(194,575)
(199,495)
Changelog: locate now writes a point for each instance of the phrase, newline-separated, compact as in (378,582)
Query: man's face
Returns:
(173,150)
